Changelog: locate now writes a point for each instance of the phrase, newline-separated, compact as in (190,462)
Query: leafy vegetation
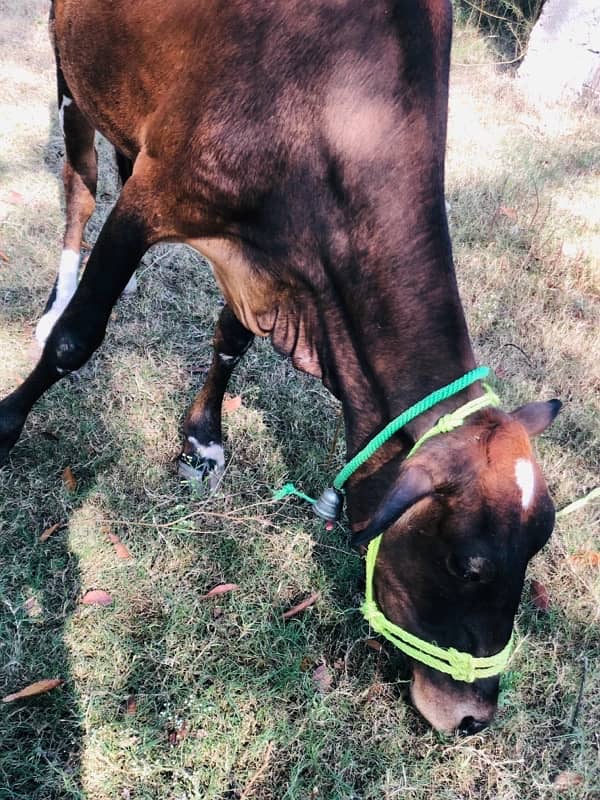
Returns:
(506,24)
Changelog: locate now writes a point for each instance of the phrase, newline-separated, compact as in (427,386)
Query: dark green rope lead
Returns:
(407,416)
(382,437)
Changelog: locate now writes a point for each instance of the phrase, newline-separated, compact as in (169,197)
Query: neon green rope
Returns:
(399,422)
(460,666)
(581,503)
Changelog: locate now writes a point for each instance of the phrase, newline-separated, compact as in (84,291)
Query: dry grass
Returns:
(526,227)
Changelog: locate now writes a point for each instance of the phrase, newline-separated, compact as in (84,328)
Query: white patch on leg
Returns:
(66,285)
(212,451)
(65,102)
(226,359)
(525,477)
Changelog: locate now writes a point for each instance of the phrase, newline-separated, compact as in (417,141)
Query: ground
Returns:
(167,695)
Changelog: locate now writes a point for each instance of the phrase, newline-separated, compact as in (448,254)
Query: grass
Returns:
(228,674)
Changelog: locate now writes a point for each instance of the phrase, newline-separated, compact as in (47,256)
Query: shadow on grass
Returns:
(39,590)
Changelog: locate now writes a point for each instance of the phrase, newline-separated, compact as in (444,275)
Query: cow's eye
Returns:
(471,569)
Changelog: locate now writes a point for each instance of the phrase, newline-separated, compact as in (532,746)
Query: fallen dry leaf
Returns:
(309,601)
(69,479)
(322,678)
(587,558)
(231,403)
(16,198)
(131,706)
(32,607)
(39,687)
(120,549)
(4,257)
(49,531)
(97,597)
(508,212)
(221,588)
(567,780)
(539,596)
(374,645)
(376,690)
(178,734)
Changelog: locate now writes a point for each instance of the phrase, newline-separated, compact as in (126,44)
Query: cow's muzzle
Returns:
(452,706)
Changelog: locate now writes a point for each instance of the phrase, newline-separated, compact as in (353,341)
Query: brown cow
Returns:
(300,147)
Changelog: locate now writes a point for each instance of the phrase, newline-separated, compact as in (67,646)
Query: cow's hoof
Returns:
(10,430)
(200,470)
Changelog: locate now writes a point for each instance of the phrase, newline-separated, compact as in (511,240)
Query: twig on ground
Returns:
(577,706)
(258,774)
(520,349)
(563,756)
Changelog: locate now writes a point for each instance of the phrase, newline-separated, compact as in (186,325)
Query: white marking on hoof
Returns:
(65,102)
(212,451)
(66,285)
(525,480)
(131,287)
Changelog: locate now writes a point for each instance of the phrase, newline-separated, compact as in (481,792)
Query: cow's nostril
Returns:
(470,725)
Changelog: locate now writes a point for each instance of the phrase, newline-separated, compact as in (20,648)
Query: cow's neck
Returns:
(394,350)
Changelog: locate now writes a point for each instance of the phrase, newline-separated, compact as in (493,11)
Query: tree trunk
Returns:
(563,56)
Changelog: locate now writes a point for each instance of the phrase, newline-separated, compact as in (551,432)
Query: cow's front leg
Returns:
(80,329)
(202,455)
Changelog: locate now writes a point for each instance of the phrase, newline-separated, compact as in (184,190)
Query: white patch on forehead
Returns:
(212,451)
(65,102)
(525,478)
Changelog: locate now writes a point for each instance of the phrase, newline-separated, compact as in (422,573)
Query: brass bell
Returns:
(329,505)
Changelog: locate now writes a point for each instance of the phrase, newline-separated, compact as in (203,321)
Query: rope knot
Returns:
(447,423)
(463,666)
(373,615)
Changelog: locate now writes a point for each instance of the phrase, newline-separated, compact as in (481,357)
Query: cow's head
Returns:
(467,512)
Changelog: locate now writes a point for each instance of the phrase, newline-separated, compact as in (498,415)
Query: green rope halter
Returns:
(461,666)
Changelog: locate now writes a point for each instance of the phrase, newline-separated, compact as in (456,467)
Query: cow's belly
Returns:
(250,293)
(264,306)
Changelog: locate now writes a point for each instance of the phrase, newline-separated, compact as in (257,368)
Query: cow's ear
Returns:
(414,485)
(536,417)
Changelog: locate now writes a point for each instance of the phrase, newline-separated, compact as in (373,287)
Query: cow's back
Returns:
(188,74)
